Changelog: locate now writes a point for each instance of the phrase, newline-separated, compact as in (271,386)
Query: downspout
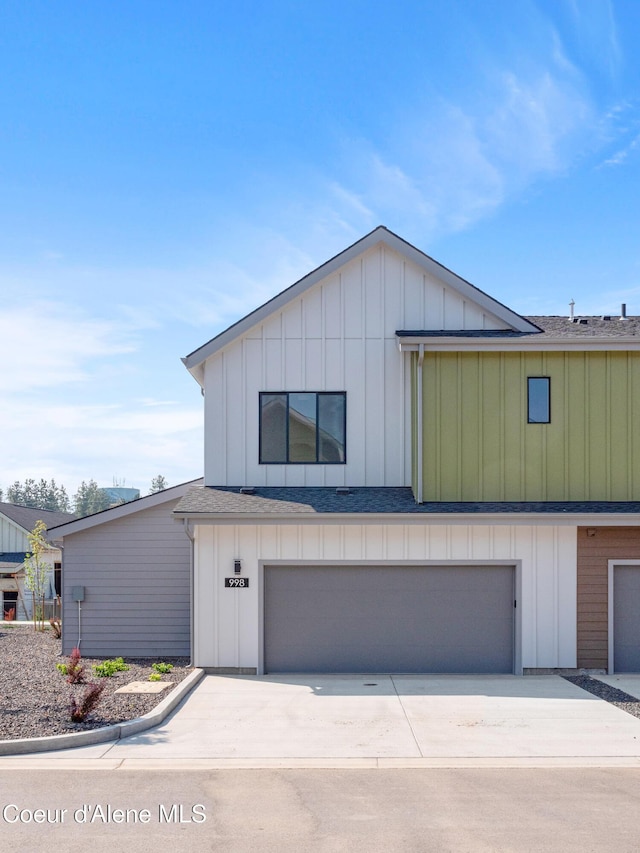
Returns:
(191,537)
(419,425)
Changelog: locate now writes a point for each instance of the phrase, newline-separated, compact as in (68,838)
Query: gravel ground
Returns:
(604,691)
(34,696)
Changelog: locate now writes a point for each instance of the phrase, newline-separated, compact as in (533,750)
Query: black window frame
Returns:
(286,394)
(547,379)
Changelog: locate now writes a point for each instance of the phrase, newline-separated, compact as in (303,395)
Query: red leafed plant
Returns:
(75,670)
(88,701)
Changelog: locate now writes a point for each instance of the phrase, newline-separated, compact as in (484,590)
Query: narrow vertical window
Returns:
(538,400)
(273,427)
(332,427)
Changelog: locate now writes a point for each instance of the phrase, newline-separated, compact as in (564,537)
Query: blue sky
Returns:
(166,167)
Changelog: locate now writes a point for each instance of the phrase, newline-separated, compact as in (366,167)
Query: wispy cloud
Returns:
(622,154)
(68,387)
(72,443)
(49,344)
(465,158)
(595,24)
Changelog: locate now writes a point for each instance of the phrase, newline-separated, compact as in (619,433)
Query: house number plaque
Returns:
(236,583)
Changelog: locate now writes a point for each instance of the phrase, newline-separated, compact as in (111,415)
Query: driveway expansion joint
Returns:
(406,716)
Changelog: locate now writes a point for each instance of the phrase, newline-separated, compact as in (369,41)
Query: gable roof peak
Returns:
(380,234)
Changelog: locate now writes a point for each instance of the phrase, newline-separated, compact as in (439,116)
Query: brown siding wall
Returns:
(594,552)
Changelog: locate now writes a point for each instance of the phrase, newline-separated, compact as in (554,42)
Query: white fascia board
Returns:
(538,519)
(533,344)
(194,360)
(123,510)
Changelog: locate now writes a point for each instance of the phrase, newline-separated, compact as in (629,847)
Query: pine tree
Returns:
(90,498)
(41,495)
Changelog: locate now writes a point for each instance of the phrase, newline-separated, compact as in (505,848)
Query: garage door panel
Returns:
(382,619)
(626,619)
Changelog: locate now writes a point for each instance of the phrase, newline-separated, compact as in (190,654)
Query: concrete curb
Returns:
(25,746)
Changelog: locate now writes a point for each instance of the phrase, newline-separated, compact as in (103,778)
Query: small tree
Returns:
(36,571)
(158,484)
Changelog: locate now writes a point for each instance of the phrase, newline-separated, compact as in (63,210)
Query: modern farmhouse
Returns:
(401,474)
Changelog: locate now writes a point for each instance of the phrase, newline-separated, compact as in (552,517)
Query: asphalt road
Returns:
(589,809)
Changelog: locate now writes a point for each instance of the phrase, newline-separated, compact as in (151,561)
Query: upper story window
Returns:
(303,427)
(538,400)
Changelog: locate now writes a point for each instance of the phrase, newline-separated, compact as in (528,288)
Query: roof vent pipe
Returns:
(571,305)
(623,311)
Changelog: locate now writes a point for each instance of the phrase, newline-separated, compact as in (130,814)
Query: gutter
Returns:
(630,519)
(419,396)
(533,344)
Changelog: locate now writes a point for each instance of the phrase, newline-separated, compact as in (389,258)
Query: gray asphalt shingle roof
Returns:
(593,327)
(12,557)
(26,516)
(221,500)
(550,327)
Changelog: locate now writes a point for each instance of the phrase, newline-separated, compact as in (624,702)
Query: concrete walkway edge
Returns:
(118,731)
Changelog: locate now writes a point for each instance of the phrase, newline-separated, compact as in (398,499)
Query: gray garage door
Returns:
(626,618)
(382,619)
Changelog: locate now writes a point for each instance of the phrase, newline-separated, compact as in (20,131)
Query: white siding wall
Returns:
(12,537)
(227,621)
(338,336)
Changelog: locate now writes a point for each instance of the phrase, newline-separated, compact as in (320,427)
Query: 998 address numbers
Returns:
(236,583)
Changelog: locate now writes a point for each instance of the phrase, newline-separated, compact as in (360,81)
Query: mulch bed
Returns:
(35,697)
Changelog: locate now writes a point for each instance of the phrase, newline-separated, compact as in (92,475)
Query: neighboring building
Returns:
(403,474)
(16,522)
(127,587)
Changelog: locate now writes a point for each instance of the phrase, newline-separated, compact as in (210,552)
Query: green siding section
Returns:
(478,445)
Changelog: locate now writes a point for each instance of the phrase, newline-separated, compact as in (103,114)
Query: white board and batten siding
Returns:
(12,537)
(229,621)
(135,571)
(337,336)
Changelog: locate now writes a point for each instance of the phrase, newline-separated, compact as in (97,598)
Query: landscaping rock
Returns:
(35,697)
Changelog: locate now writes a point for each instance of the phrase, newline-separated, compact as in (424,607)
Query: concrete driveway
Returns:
(380,720)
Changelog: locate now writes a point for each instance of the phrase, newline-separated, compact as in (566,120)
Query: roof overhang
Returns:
(563,519)
(535,343)
(123,510)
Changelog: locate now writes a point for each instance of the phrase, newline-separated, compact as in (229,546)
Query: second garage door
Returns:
(454,619)
(626,625)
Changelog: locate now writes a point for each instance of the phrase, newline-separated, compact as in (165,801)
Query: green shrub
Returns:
(162,668)
(109,667)
(155,676)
